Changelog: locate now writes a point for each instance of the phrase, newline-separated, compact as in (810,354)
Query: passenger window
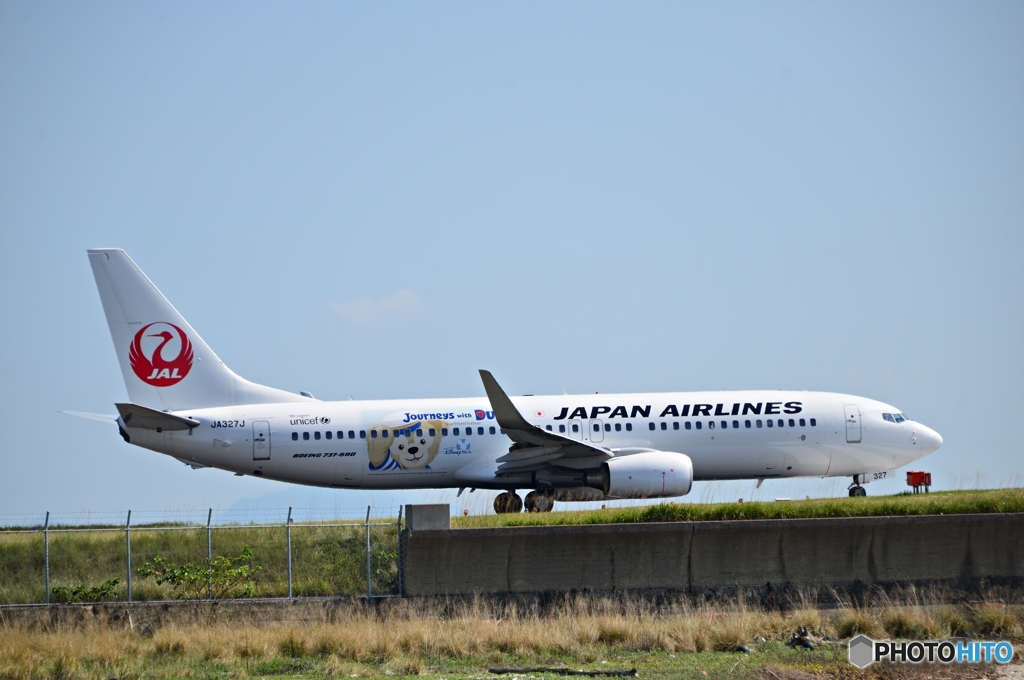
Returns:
(575,427)
(618,427)
(597,428)
(803,423)
(791,423)
(479,430)
(782,423)
(444,431)
(373,434)
(327,434)
(758,423)
(675,425)
(502,431)
(492,430)
(629,427)
(687,424)
(650,426)
(699,425)
(746,423)
(664,426)
(771,423)
(735,424)
(432,432)
(384,433)
(548,428)
(725,424)
(352,434)
(711,425)
(362,434)
(419,433)
(607,427)
(341,434)
(561,428)
(305,436)
(814,422)
(295,436)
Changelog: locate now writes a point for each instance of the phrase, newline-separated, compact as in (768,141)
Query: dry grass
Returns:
(406,638)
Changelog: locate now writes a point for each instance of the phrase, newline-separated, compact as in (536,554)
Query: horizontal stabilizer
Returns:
(102,417)
(144,418)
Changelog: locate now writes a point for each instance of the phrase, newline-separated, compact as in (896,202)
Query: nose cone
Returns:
(930,440)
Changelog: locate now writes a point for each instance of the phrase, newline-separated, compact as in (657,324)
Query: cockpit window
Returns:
(888,416)
(899,417)
(894,417)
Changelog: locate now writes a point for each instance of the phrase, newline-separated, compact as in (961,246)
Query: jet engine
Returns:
(648,474)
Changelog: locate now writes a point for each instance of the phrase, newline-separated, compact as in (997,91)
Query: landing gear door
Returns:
(852,424)
(260,440)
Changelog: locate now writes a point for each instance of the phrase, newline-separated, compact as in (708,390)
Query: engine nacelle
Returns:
(649,474)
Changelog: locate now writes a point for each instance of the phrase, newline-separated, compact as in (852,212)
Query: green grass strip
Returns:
(937,503)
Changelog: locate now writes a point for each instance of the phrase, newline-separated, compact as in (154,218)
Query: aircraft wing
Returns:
(536,448)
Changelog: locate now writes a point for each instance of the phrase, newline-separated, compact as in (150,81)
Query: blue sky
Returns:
(378,199)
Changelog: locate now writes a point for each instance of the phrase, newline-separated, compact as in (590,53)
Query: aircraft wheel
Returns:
(537,501)
(508,502)
(858,491)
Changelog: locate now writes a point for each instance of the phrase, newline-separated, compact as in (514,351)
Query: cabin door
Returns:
(260,440)
(852,424)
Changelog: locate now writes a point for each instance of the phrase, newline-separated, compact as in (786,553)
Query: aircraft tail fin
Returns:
(165,364)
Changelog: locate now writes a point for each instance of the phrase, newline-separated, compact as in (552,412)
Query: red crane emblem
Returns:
(155,369)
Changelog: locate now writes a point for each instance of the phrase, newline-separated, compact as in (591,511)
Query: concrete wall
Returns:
(697,556)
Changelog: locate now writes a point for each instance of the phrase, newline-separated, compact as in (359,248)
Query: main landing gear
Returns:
(539,502)
(510,501)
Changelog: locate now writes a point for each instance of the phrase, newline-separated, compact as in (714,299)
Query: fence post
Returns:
(209,556)
(46,554)
(369,587)
(128,551)
(400,565)
(288,529)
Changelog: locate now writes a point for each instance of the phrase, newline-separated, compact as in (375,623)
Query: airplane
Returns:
(186,403)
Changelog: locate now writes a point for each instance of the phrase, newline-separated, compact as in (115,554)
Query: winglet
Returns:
(504,410)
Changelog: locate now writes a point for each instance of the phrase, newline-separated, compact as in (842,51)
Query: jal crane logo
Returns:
(153,355)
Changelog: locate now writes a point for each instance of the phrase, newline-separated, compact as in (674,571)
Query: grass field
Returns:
(326,560)
(937,503)
(331,560)
(439,640)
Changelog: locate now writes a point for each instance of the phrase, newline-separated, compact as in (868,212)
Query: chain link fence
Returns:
(47,564)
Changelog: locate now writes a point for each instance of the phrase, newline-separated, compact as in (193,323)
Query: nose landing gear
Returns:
(856,490)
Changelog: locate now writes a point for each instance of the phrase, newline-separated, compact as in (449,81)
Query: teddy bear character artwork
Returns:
(410,447)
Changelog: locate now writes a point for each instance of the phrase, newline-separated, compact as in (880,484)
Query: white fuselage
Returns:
(424,443)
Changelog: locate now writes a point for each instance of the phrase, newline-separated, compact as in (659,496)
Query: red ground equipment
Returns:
(919,480)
